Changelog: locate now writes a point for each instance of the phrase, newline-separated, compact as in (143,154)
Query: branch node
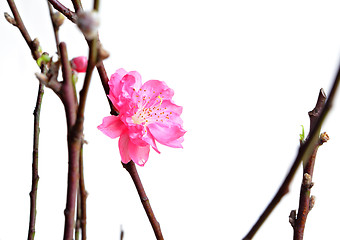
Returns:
(102,53)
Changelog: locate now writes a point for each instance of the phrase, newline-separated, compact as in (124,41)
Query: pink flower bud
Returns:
(79,64)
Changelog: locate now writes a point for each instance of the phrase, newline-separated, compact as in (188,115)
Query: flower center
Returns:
(148,110)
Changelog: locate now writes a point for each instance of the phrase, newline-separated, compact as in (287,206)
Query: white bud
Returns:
(88,23)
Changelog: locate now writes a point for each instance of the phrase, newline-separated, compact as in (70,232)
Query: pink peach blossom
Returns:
(79,64)
(146,114)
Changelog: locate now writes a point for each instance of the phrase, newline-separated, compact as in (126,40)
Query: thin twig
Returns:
(55,27)
(35,175)
(131,168)
(83,196)
(299,222)
(305,151)
(20,25)
(78,218)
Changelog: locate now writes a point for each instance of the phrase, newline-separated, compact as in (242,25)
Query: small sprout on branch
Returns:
(44,59)
(292,218)
(302,135)
(311,202)
(10,19)
(88,23)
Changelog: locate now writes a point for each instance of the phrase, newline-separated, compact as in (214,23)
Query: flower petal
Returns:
(170,134)
(155,89)
(123,145)
(151,140)
(112,126)
(122,85)
(139,154)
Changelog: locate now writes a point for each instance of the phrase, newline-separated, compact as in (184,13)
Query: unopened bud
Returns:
(307,180)
(10,19)
(79,64)
(324,137)
(311,202)
(44,59)
(58,19)
(88,23)
(36,45)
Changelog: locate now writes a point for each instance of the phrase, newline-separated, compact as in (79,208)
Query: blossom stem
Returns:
(305,151)
(131,168)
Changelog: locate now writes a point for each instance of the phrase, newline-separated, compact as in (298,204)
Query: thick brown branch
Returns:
(74,139)
(131,168)
(305,151)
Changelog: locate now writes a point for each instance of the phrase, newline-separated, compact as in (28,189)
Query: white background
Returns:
(246,72)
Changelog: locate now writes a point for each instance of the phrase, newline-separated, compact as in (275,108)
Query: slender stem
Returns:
(305,151)
(83,196)
(299,222)
(64,10)
(35,176)
(304,202)
(20,25)
(78,219)
(55,27)
(131,168)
